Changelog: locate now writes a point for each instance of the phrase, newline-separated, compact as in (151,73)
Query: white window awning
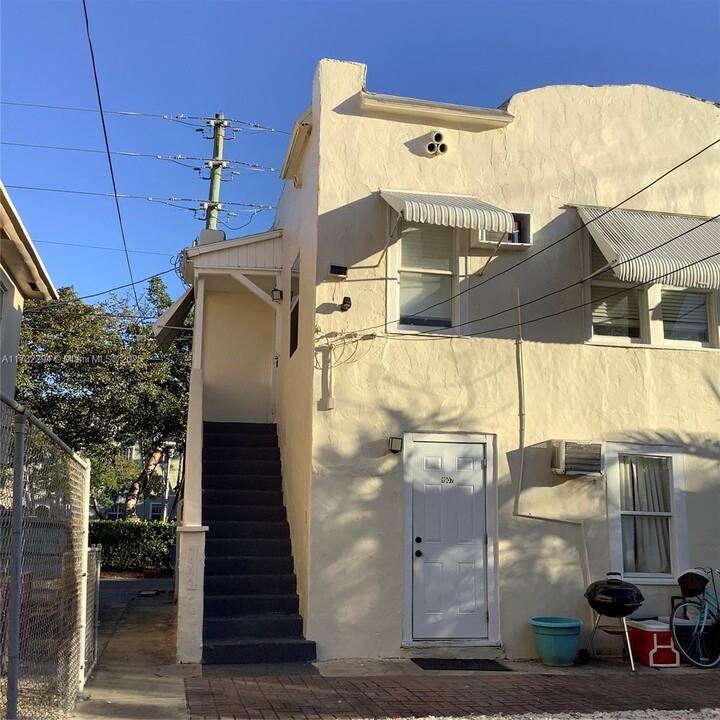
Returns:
(168,325)
(460,211)
(643,247)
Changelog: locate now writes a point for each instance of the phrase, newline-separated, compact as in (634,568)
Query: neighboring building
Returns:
(150,505)
(22,277)
(378,243)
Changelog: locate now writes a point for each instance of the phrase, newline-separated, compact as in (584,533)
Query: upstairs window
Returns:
(685,315)
(652,313)
(426,277)
(615,313)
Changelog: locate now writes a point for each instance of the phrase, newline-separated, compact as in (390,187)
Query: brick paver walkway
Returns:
(317,697)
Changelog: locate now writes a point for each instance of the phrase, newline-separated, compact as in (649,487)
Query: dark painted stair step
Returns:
(243,529)
(264,498)
(247,547)
(230,481)
(248,565)
(250,584)
(240,427)
(240,455)
(223,606)
(242,651)
(254,513)
(253,626)
(228,440)
(241,467)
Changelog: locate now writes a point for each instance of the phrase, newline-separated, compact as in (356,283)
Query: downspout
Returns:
(584,560)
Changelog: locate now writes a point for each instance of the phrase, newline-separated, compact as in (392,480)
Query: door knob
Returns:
(418,539)
(418,553)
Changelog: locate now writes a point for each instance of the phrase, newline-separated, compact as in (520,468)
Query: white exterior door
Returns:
(449,541)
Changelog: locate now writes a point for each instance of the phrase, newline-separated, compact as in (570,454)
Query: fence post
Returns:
(96,618)
(16,566)
(84,580)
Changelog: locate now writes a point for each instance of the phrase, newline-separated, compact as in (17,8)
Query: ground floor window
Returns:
(646,511)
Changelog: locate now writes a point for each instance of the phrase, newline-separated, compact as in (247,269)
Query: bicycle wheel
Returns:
(695,629)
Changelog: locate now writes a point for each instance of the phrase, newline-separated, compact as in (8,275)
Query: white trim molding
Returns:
(678,519)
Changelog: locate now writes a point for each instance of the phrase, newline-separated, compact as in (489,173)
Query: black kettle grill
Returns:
(615,598)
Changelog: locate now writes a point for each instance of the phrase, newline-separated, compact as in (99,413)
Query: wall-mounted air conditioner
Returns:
(519,239)
(570,457)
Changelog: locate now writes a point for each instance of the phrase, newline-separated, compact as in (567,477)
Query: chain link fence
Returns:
(92,609)
(43,562)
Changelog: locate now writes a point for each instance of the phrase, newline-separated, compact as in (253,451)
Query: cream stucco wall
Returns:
(237,357)
(566,145)
(297,216)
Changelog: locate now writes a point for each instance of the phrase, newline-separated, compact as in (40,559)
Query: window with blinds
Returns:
(685,316)
(615,313)
(426,275)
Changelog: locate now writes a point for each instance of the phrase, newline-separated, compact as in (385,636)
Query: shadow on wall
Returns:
(357,235)
(358,520)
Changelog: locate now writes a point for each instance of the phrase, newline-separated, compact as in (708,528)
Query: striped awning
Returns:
(461,211)
(679,250)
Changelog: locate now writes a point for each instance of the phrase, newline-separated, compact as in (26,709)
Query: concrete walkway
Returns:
(137,679)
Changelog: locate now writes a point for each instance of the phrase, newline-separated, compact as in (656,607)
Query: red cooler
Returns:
(652,643)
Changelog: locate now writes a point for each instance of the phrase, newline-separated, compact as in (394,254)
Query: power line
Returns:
(123,196)
(120,287)
(578,282)
(552,244)
(109,155)
(101,247)
(172,158)
(180,117)
(590,302)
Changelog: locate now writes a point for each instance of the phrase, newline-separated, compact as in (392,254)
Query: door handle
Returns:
(418,553)
(418,539)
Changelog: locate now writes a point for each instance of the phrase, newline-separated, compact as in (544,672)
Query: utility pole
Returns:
(216,165)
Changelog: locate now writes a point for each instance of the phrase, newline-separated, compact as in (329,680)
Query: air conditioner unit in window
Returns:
(570,457)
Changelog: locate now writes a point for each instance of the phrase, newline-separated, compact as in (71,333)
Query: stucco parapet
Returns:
(596,90)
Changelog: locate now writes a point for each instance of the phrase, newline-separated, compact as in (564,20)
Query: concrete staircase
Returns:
(251,604)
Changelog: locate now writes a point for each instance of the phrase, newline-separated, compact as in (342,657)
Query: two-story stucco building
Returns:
(458,284)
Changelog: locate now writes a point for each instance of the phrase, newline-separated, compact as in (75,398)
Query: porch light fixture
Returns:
(277,295)
(395,445)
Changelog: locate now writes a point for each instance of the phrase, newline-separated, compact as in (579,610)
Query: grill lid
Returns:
(614,596)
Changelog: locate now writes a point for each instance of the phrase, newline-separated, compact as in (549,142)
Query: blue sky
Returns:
(254,61)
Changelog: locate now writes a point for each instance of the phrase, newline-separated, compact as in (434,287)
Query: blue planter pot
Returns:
(557,639)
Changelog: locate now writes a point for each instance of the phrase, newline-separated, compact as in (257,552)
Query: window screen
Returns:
(615,313)
(684,315)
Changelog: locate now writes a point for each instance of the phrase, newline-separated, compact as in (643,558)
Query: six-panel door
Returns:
(448,533)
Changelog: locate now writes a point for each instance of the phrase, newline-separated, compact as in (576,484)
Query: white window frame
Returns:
(459,272)
(678,518)
(657,330)
(649,306)
(156,506)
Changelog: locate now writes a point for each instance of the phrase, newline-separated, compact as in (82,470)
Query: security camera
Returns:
(346,304)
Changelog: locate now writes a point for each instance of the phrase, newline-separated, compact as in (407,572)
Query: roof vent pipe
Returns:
(434,144)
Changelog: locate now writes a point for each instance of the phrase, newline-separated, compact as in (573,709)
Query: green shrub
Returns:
(133,545)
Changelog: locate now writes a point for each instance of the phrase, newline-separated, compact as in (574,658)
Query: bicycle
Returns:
(695,622)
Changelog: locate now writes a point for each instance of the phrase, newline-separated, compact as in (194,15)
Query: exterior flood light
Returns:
(346,304)
(395,445)
(277,295)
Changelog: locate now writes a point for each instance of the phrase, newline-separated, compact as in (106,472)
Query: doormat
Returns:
(455,664)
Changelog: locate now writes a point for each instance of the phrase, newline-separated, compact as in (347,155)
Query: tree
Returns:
(95,374)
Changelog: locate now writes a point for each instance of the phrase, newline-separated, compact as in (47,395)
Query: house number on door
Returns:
(446,480)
